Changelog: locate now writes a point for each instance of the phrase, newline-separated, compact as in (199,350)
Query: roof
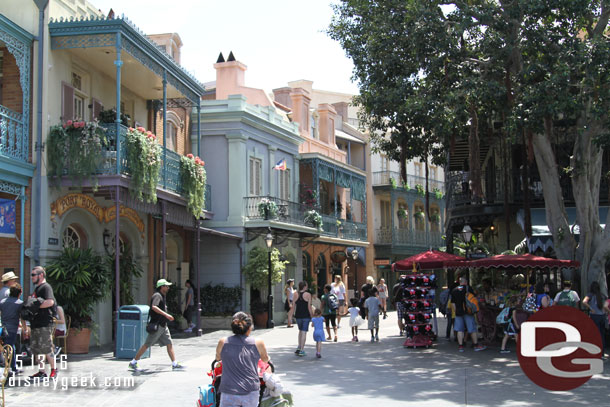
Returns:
(345,136)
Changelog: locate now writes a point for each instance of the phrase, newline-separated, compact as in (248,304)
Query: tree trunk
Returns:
(474,157)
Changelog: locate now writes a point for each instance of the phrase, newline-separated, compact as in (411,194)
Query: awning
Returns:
(431,259)
(345,136)
(513,260)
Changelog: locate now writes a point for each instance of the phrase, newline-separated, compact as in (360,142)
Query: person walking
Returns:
(567,296)
(8,280)
(303,313)
(338,288)
(189,306)
(317,323)
(289,304)
(397,297)
(595,301)
(41,338)
(365,291)
(159,317)
(239,354)
(382,289)
(463,320)
(10,308)
(329,300)
(372,306)
(355,320)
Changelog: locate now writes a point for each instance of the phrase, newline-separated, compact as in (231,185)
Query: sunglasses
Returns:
(34,274)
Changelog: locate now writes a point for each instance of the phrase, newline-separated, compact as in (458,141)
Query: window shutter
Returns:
(287,185)
(67,102)
(97,108)
(259,188)
(251,185)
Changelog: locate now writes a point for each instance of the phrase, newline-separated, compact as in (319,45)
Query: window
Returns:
(71,238)
(385,163)
(74,98)
(434,173)
(285,185)
(172,134)
(418,169)
(79,107)
(256,187)
(403,221)
(386,219)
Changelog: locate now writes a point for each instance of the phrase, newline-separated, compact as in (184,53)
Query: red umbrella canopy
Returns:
(514,260)
(431,259)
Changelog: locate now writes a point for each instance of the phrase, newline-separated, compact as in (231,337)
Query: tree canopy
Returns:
(534,72)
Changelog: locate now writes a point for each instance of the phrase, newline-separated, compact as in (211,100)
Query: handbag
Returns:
(152,327)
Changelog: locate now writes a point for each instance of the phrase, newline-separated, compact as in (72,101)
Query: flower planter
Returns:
(219,322)
(78,340)
(260,319)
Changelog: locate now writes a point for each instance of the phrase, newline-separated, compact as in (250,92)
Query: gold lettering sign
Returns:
(70,201)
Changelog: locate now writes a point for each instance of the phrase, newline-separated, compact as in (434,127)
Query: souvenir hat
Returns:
(163,282)
(9,276)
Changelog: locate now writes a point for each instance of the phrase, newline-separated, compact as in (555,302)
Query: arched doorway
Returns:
(321,271)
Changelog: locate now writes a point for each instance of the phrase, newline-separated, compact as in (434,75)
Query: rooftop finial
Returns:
(231,57)
(220,59)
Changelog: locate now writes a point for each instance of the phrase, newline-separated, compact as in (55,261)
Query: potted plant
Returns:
(435,218)
(260,312)
(402,213)
(438,194)
(267,209)
(313,218)
(193,176)
(419,215)
(80,279)
(420,190)
(109,116)
(309,198)
(393,183)
(256,273)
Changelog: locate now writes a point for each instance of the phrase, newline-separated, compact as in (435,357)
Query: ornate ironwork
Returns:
(10,188)
(84,41)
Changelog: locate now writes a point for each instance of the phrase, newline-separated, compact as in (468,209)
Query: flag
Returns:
(281,165)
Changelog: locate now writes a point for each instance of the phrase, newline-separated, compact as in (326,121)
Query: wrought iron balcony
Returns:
(392,178)
(408,237)
(294,213)
(13,136)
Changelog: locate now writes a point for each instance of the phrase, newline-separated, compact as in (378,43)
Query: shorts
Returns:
(342,303)
(303,324)
(373,321)
(240,400)
(510,329)
(41,341)
(400,310)
(330,320)
(464,323)
(162,336)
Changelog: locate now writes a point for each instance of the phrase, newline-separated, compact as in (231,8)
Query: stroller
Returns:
(266,398)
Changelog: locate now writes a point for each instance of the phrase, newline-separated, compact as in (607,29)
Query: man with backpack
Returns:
(397,297)
(568,296)
(462,303)
(330,304)
(42,326)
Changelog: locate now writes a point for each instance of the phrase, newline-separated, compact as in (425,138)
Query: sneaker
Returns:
(301,353)
(376,338)
(353,339)
(329,338)
(134,367)
(384,316)
(504,350)
(296,352)
(318,355)
(191,326)
(42,375)
(177,366)
(53,374)
(460,348)
(356,339)
(188,330)
(335,340)
(400,333)
(338,326)
(479,348)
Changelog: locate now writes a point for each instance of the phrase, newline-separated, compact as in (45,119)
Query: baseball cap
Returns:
(163,282)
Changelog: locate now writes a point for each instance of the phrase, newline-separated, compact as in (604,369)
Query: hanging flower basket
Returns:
(144,161)
(438,194)
(419,215)
(267,209)
(193,176)
(313,218)
(393,183)
(420,190)
(402,214)
(309,198)
(435,218)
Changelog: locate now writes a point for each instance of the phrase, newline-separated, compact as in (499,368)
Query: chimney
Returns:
(171,44)
(300,109)
(230,76)
(328,116)
(282,95)
(341,108)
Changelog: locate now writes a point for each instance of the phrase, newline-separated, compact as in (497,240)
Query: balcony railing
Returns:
(408,237)
(169,178)
(294,213)
(384,178)
(13,140)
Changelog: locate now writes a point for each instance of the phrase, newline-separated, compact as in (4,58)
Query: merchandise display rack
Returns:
(419,315)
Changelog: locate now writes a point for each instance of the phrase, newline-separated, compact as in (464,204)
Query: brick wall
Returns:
(11,88)
(182,137)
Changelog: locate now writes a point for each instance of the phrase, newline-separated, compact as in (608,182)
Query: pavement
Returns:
(362,374)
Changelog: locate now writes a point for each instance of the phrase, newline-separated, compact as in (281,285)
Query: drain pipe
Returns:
(42,5)
(241,276)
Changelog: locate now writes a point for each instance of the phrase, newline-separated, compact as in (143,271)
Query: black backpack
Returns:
(30,309)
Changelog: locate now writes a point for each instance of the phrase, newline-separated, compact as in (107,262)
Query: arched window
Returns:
(74,237)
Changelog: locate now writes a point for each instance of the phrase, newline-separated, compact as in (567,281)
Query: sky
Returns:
(279,40)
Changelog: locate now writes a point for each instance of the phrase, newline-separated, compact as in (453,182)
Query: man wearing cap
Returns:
(158,315)
(8,279)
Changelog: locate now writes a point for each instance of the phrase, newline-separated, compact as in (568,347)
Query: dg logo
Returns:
(560,348)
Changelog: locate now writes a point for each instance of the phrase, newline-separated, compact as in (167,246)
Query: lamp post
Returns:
(467,235)
(354,254)
(269,242)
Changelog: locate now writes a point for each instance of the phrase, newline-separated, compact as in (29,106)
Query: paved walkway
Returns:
(360,374)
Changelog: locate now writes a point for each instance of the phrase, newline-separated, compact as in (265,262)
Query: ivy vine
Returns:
(193,176)
(144,158)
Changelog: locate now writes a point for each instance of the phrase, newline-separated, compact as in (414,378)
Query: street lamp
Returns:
(269,242)
(355,257)
(467,235)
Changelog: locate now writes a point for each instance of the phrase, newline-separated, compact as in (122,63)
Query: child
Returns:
(317,322)
(372,306)
(355,319)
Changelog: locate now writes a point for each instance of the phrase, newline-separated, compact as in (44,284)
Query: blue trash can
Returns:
(131,331)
